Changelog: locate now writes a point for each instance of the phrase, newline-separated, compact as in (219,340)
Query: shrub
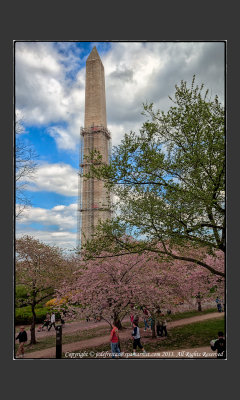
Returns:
(23,315)
(21,295)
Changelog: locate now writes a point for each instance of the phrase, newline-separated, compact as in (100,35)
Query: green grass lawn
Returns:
(189,314)
(188,336)
(193,335)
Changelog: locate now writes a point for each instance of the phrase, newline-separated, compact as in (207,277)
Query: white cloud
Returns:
(65,240)
(139,72)
(44,94)
(134,73)
(64,217)
(57,178)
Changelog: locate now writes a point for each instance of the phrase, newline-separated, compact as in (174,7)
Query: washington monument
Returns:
(94,201)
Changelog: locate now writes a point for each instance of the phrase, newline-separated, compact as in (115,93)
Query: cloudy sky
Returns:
(49,99)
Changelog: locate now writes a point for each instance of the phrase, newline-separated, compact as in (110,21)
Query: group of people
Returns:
(22,336)
(48,322)
(115,340)
(218,344)
(148,320)
(161,322)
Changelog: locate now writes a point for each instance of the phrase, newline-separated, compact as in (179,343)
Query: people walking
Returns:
(136,338)
(115,342)
(219,345)
(45,323)
(22,337)
(52,321)
(219,305)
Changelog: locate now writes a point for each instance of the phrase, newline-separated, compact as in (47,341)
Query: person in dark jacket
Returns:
(136,338)
(219,345)
(22,337)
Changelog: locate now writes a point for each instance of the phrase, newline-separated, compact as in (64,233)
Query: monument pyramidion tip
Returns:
(94,55)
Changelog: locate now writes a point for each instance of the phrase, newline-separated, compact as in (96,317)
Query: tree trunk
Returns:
(117,323)
(32,329)
(199,306)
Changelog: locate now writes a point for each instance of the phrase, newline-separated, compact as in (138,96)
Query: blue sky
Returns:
(49,101)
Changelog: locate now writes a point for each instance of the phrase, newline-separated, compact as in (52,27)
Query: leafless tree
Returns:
(26,166)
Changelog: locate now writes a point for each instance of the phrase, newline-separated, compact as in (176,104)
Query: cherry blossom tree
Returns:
(108,287)
(39,268)
(104,288)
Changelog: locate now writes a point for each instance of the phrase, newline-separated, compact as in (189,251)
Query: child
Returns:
(136,338)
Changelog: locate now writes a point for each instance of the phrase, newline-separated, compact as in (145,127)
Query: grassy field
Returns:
(185,314)
(189,314)
(50,341)
(197,334)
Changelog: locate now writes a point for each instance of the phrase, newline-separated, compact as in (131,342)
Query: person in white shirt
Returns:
(52,322)
(136,338)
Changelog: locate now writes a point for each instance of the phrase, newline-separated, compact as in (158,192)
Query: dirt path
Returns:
(69,328)
(95,342)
